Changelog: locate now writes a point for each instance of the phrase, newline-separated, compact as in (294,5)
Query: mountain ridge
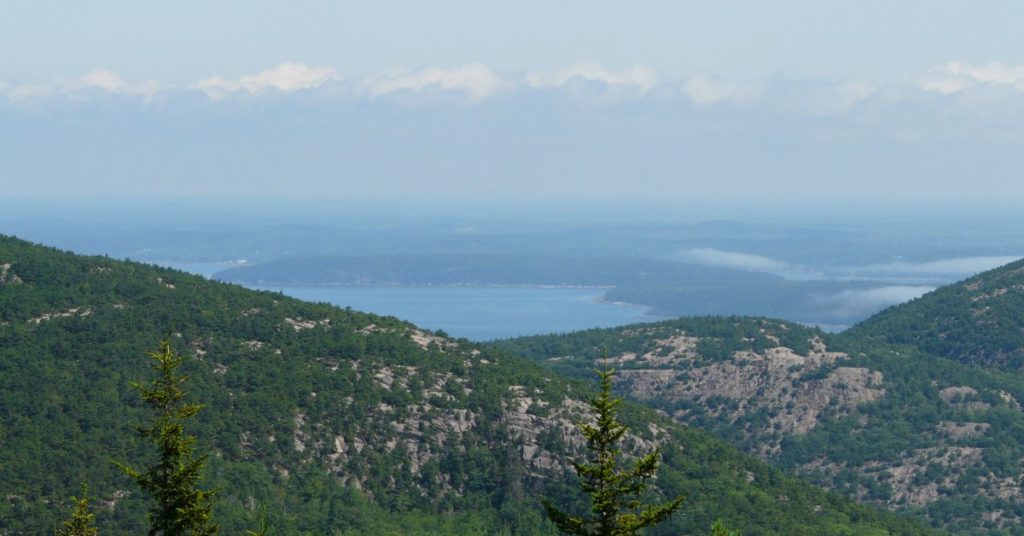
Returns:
(979,320)
(337,420)
(889,418)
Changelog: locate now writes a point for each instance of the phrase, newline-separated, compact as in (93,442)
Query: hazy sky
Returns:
(800,100)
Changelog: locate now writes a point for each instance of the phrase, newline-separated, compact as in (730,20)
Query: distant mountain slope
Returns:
(978,321)
(341,422)
(888,425)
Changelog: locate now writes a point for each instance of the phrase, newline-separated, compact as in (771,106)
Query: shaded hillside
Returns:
(339,421)
(978,321)
(886,425)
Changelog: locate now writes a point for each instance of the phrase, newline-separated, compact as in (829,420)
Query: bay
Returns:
(482,313)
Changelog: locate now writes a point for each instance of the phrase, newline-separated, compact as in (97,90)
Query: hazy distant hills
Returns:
(896,411)
(340,422)
(487,270)
(669,288)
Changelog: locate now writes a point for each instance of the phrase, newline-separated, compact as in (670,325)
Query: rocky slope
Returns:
(340,422)
(889,425)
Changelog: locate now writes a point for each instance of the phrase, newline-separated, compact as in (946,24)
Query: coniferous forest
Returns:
(329,420)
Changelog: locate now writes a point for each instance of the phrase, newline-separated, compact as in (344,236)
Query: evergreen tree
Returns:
(614,492)
(719,529)
(173,481)
(82,522)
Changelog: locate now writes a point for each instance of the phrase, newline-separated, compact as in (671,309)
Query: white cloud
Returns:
(957,266)
(475,80)
(853,91)
(705,89)
(956,76)
(946,85)
(991,73)
(639,77)
(840,98)
(732,259)
(285,78)
(102,80)
(27,91)
(109,81)
(861,302)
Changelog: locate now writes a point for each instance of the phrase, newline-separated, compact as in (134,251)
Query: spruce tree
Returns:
(82,522)
(614,493)
(719,529)
(182,508)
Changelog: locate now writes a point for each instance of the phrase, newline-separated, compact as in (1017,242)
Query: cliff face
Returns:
(790,389)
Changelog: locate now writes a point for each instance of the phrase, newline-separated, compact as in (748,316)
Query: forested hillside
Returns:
(338,421)
(883,424)
(978,321)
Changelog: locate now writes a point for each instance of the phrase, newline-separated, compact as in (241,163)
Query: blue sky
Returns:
(788,101)
(178,42)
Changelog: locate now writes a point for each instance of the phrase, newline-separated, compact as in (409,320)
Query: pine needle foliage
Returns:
(719,529)
(614,493)
(82,522)
(182,508)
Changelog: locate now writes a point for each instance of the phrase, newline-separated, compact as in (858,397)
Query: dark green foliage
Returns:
(977,321)
(182,508)
(270,381)
(872,438)
(719,529)
(82,522)
(614,492)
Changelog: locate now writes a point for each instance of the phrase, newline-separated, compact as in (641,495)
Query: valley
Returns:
(334,419)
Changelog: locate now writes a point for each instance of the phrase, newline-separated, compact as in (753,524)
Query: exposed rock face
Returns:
(7,277)
(426,433)
(424,340)
(299,324)
(769,393)
(953,461)
(791,389)
(74,311)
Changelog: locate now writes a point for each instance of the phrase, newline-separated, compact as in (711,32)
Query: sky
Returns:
(800,102)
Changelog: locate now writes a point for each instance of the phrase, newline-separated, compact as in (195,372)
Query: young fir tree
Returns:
(82,522)
(719,529)
(614,492)
(182,508)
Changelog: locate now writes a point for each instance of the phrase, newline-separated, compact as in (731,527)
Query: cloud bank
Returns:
(284,78)
(956,76)
(95,81)
(857,303)
(953,267)
(731,259)
(707,89)
(640,77)
(586,82)
(476,81)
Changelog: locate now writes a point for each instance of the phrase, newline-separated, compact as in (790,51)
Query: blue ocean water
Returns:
(482,313)
(476,313)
